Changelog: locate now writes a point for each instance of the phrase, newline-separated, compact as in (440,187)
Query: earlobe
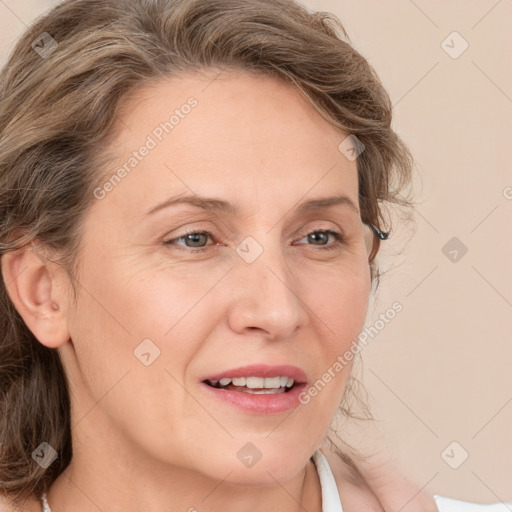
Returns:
(32,288)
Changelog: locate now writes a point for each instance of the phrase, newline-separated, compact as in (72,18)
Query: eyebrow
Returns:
(216,205)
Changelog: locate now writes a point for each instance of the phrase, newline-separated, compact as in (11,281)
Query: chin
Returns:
(261,474)
(259,468)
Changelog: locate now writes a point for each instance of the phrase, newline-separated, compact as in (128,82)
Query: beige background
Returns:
(441,370)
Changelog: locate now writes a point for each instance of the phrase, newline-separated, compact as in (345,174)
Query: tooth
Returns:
(272,382)
(272,391)
(254,382)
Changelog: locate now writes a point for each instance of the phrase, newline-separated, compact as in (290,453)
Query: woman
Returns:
(191,200)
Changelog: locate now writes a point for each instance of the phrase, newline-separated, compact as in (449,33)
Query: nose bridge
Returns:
(267,295)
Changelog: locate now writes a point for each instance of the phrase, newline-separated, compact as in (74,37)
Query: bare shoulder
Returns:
(355,493)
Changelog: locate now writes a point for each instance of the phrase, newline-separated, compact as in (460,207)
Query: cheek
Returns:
(339,298)
(130,303)
(338,309)
(134,334)
(130,318)
(117,312)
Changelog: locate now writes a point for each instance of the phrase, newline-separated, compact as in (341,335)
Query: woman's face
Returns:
(158,312)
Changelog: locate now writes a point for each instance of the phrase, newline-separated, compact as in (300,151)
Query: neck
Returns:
(80,490)
(107,472)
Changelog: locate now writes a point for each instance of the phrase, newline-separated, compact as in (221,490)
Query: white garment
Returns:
(331,498)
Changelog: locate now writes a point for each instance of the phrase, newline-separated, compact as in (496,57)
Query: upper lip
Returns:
(262,370)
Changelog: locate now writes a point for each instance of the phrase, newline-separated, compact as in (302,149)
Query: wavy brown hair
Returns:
(57,109)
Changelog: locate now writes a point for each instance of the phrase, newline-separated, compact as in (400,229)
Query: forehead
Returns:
(254,137)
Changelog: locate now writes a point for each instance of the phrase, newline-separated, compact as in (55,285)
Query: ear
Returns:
(37,292)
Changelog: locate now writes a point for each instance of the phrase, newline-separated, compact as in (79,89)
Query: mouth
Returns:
(260,389)
(254,385)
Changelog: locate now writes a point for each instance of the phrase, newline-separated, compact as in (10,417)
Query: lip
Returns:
(258,404)
(262,370)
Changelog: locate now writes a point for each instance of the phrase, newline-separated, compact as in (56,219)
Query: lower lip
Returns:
(260,404)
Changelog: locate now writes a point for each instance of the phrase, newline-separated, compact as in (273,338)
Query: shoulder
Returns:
(445,504)
(355,493)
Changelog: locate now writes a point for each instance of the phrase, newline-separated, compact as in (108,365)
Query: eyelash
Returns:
(340,239)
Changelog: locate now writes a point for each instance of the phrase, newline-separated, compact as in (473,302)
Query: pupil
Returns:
(315,236)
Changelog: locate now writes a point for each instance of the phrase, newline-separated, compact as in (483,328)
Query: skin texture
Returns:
(150,435)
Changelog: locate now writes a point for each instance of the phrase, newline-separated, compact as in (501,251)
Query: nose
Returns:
(266,297)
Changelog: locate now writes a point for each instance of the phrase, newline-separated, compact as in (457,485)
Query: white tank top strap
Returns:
(330,496)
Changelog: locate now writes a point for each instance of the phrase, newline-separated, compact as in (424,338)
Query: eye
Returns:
(197,240)
(322,236)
